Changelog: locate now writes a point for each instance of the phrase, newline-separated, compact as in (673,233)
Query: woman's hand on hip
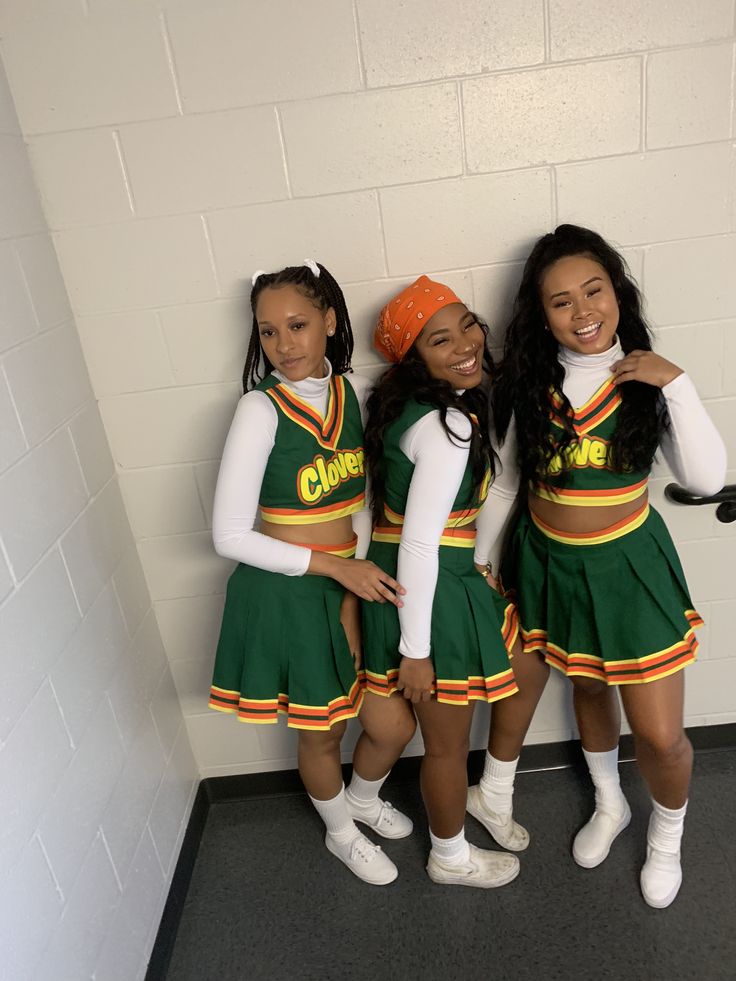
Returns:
(359,576)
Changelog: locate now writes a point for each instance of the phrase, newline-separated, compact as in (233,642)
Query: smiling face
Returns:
(451,345)
(293,332)
(580,304)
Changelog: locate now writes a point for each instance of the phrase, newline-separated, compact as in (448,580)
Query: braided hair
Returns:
(530,368)
(325,293)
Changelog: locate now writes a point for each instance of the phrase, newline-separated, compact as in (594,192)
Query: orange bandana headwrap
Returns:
(402,319)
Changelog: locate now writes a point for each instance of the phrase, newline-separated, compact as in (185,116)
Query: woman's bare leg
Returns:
(599,722)
(388,725)
(665,758)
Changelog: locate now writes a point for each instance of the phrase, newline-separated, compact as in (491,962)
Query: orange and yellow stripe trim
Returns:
(627,671)
(313,516)
(592,413)
(628,524)
(326,431)
(448,691)
(265,711)
(592,498)
(455,519)
(345,551)
(511,627)
(452,537)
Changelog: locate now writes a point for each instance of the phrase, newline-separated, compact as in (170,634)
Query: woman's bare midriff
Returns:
(338,531)
(574,518)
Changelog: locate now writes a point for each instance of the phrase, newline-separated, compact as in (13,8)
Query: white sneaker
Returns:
(660,878)
(484,869)
(661,874)
(593,842)
(387,822)
(502,828)
(364,859)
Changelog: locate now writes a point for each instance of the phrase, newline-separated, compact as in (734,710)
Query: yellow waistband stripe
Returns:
(591,498)
(344,551)
(312,516)
(609,534)
(452,537)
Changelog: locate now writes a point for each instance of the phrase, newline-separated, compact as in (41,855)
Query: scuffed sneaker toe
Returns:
(502,828)
(483,870)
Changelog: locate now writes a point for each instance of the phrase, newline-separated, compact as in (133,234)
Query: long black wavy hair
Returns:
(324,291)
(410,379)
(530,368)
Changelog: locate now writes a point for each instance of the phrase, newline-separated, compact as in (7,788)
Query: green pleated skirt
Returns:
(282,649)
(618,611)
(473,631)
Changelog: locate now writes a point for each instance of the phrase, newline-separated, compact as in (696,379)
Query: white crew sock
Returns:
(363,795)
(340,826)
(666,827)
(497,784)
(451,851)
(603,769)
(661,874)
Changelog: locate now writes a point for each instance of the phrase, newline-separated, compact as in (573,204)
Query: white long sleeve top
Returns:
(439,464)
(692,447)
(244,459)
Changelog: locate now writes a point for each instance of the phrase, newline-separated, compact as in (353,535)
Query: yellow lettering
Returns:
(319,478)
(581,452)
(586,452)
(309,488)
(322,471)
(598,453)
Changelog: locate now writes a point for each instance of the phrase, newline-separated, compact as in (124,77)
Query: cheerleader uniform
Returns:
(449,612)
(611,605)
(294,456)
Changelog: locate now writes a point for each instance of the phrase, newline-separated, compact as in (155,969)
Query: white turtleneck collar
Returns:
(585,373)
(592,361)
(308,387)
(312,390)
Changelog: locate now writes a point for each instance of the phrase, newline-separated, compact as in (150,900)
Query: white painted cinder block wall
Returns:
(96,771)
(179,145)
